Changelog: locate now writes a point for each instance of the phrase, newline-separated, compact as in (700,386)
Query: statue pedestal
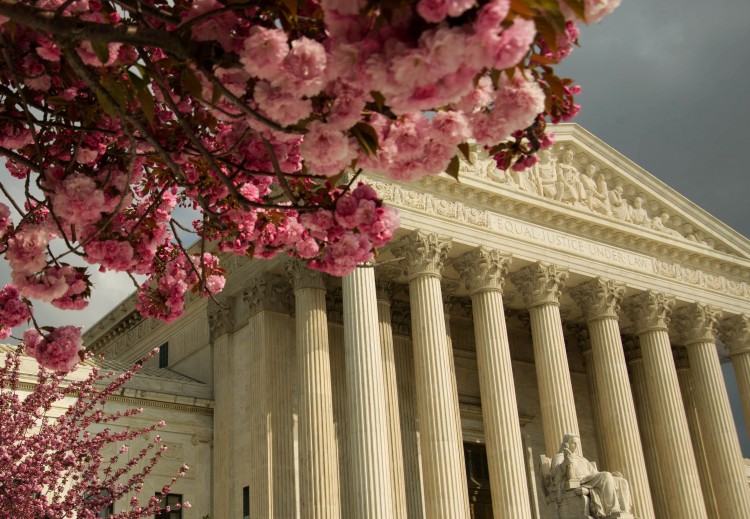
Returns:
(573,504)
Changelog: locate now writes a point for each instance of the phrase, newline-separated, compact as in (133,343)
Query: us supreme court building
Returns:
(581,297)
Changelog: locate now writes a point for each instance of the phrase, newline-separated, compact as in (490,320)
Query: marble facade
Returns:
(582,297)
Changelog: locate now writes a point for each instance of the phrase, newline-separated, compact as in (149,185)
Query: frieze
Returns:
(126,341)
(564,176)
(397,195)
(701,278)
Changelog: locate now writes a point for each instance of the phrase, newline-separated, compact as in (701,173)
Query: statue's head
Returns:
(572,442)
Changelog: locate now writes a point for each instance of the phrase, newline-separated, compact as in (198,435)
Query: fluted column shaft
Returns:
(741,364)
(650,312)
(541,285)
(584,343)
(697,325)
(646,426)
(319,476)
(735,333)
(685,378)
(446,492)
(223,391)
(392,405)
(483,271)
(369,469)
(600,301)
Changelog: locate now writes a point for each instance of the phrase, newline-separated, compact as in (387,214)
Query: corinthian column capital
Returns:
(304,277)
(649,310)
(385,284)
(269,292)
(483,269)
(424,253)
(540,283)
(220,317)
(599,298)
(696,322)
(735,333)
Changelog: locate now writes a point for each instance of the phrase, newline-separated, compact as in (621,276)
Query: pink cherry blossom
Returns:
(263,52)
(244,118)
(57,351)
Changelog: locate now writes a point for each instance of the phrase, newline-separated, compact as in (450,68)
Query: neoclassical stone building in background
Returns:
(582,297)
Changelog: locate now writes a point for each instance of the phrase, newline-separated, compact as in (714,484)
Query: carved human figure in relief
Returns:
(609,493)
(546,173)
(619,206)
(528,180)
(659,223)
(597,193)
(638,213)
(568,185)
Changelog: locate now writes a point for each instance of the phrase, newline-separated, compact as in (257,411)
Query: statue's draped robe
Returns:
(605,490)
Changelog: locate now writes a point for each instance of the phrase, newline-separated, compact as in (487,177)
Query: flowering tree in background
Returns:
(113,113)
(55,467)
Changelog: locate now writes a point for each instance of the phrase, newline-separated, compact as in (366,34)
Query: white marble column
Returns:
(223,372)
(685,378)
(644,412)
(403,350)
(541,285)
(319,476)
(697,324)
(649,312)
(385,289)
(446,492)
(269,301)
(581,333)
(600,301)
(483,271)
(369,465)
(735,333)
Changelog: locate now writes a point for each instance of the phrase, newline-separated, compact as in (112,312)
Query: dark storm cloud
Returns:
(668,85)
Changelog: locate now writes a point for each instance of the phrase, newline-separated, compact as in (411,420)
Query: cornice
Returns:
(475,202)
(143,402)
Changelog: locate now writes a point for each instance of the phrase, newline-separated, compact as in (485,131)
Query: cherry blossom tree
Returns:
(258,115)
(55,466)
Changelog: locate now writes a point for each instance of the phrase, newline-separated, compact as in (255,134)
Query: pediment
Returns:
(582,173)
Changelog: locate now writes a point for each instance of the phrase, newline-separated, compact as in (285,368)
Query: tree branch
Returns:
(74,29)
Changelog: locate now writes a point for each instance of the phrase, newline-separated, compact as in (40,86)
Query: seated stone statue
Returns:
(609,493)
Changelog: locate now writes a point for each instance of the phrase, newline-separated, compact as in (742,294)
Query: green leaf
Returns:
(108,107)
(101,49)
(366,137)
(291,5)
(547,31)
(378,98)
(465,149)
(578,7)
(191,83)
(452,168)
(519,7)
(147,103)
(215,95)
(11,26)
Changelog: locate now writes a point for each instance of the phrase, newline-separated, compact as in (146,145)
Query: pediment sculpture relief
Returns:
(560,176)
(579,489)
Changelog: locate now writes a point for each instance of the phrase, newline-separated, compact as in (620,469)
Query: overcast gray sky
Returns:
(667,83)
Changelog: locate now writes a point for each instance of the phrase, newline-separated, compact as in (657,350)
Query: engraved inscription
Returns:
(571,243)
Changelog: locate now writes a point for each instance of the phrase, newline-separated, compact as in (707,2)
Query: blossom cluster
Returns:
(58,466)
(118,117)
